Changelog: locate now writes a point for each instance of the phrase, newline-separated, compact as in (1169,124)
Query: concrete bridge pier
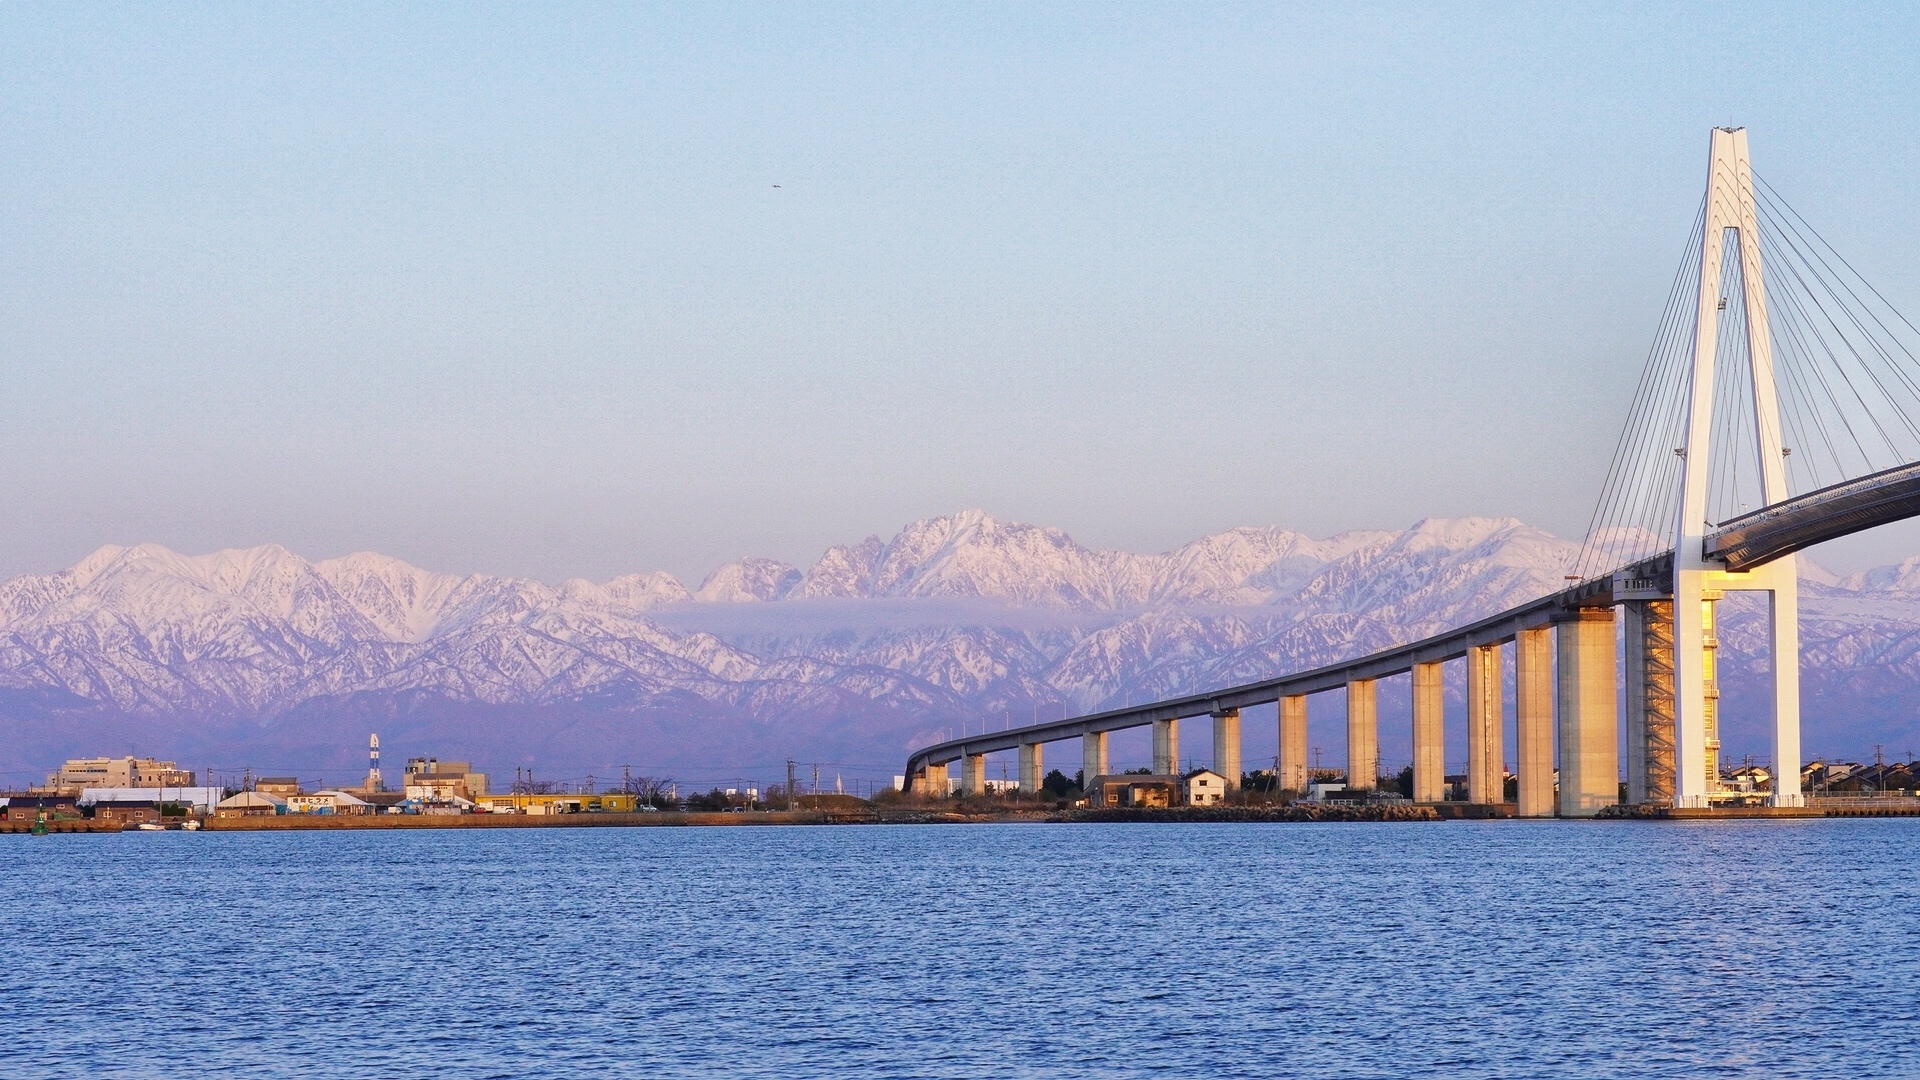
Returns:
(1031,768)
(1226,746)
(1589,727)
(1533,709)
(1429,745)
(1486,750)
(1293,744)
(973,774)
(1166,747)
(1093,756)
(933,782)
(1363,735)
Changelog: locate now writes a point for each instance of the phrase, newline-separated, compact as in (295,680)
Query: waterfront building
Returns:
(26,806)
(438,779)
(78,774)
(127,811)
(381,802)
(328,802)
(613,802)
(283,787)
(1136,789)
(250,804)
(198,800)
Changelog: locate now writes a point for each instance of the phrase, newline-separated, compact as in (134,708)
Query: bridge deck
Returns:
(1827,514)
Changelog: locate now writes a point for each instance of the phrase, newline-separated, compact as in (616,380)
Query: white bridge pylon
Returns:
(1697,581)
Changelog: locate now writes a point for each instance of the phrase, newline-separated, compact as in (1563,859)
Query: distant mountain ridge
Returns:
(261,654)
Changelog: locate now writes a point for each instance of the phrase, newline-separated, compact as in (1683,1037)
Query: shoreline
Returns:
(1295,813)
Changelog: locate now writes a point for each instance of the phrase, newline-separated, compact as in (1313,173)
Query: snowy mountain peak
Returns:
(748,580)
(845,572)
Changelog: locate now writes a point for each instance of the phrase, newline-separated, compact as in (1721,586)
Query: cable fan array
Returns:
(1845,373)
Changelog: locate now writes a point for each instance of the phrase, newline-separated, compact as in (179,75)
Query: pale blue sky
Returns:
(512,288)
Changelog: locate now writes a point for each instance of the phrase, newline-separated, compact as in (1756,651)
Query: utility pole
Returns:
(789,784)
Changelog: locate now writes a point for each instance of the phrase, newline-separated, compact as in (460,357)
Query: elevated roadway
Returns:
(1765,536)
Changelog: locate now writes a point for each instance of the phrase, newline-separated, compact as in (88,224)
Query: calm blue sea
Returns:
(1459,949)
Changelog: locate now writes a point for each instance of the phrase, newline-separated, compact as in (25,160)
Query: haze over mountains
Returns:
(260,658)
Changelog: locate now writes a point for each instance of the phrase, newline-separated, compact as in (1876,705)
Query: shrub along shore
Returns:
(1300,811)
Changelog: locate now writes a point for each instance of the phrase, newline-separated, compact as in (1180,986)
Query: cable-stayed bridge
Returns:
(1773,413)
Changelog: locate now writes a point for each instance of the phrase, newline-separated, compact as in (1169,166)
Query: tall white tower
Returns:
(1698,582)
(373,764)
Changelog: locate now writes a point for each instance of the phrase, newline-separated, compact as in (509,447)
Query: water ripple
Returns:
(1463,949)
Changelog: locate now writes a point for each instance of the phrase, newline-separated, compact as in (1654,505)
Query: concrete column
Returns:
(1031,768)
(1363,735)
(1589,730)
(934,782)
(1689,684)
(1293,744)
(1486,761)
(1093,757)
(1710,673)
(1166,746)
(973,774)
(1533,711)
(1226,746)
(1784,611)
(1429,745)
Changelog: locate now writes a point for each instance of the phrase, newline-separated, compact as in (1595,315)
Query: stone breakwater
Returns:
(1293,812)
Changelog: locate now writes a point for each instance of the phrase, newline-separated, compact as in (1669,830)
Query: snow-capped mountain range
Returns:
(260,658)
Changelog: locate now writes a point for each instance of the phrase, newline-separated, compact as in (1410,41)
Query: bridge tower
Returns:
(1697,581)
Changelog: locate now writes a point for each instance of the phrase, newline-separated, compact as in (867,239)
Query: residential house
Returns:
(1204,787)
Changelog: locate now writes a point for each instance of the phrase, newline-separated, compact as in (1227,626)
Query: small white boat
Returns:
(148,826)
(190,825)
